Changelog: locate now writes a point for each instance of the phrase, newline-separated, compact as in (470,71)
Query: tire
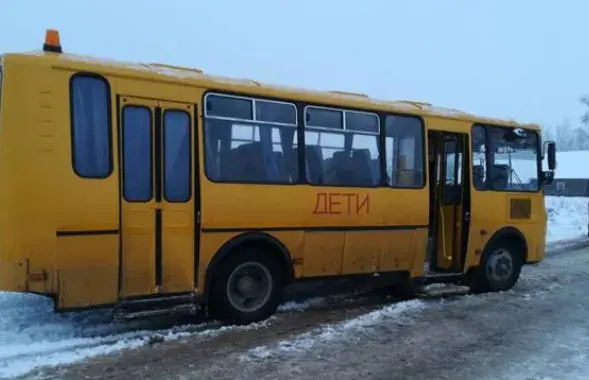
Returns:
(499,269)
(241,275)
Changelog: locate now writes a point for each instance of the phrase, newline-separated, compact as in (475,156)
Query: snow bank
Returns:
(33,336)
(567,217)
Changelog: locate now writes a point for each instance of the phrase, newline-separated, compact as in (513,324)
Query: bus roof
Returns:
(195,77)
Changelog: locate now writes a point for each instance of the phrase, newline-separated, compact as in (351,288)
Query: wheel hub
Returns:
(249,286)
(500,266)
(246,285)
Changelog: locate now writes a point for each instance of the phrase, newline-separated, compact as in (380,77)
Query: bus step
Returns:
(440,290)
(186,309)
(441,278)
(161,302)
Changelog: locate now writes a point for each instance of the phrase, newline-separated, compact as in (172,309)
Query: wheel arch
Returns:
(513,235)
(249,239)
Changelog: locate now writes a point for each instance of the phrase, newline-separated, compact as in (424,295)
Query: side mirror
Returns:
(550,149)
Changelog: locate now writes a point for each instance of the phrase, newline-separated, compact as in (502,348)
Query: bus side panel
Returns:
(87,217)
(397,250)
(323,253)
(346,231)
(420,252)
(491,212)
(364,249)
(86,281)
(385,251)
(27,168)
(537,247)
(531,227)
(488,213)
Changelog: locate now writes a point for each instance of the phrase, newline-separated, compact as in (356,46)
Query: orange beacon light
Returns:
(52,43)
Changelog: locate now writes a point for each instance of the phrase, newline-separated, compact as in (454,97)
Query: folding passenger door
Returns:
(157,203)
(451,207)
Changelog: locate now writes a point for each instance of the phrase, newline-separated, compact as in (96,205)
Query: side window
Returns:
(453,163)
(342,147)
(404,144)
(450,149)
(250,140)
(177,166)
(479,165)
(137,159)
(91,121)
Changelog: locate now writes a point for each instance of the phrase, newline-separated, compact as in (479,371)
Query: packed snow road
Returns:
(537,330)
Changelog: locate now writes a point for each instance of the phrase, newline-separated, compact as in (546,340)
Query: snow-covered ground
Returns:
(567,217)
(32,335)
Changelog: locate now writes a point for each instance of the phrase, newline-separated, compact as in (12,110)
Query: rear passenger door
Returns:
(176,199)
(157,202)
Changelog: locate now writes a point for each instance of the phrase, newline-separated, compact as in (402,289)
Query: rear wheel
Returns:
(247,287)
(499,269)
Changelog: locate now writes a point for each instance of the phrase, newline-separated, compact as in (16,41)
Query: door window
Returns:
(137,159)
(176,156)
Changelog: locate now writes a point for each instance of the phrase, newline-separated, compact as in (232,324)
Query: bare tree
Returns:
(585,117)
(565,136)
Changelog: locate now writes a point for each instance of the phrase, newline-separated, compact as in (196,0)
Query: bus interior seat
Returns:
(315,164)
(500,176)
(478,176)
(249,163)
(361,168)
(341,169)
(291,164)
(280,163)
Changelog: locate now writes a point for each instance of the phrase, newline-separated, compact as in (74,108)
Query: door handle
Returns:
(156,206)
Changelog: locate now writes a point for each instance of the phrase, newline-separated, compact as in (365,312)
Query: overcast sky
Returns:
(521,59)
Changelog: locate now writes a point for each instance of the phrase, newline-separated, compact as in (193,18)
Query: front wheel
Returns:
(247,287)
(499,269)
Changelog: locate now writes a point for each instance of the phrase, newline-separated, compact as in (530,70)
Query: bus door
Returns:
(158,183)
(450,221)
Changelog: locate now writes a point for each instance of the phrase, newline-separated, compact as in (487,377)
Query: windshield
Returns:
(514,164)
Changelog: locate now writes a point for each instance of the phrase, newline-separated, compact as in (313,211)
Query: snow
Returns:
(330,332)
(567,217)
(33,336)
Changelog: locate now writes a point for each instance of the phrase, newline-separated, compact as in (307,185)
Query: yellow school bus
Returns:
(149,187)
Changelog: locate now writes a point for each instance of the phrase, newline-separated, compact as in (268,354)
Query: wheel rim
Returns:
(249,286)
(500,266)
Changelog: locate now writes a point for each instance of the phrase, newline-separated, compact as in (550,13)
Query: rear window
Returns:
(90,102)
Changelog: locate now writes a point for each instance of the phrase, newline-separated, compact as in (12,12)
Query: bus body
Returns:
(145,184)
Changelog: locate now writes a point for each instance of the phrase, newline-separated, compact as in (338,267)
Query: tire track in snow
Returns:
(33,336)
